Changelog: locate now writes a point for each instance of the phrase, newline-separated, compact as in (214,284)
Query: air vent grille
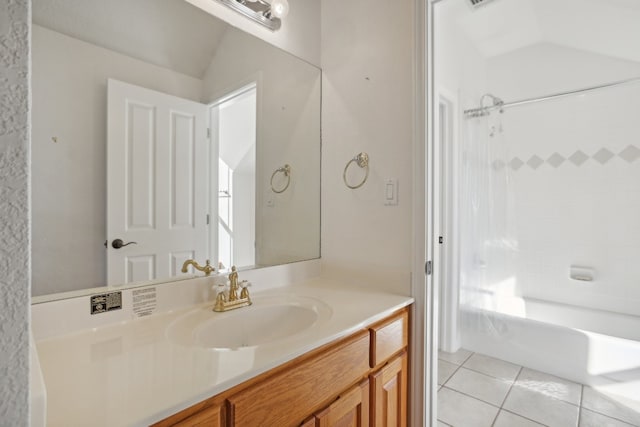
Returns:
(478,3)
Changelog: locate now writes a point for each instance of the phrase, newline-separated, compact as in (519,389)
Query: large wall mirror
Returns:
(161,134)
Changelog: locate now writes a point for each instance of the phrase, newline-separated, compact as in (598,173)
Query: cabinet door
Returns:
(389,394)
(350,410)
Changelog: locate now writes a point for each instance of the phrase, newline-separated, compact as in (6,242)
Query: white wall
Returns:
(14,213)
(69,177)
(288,224)
(367,105)
(299,34)
(244,211)
(460,69)
(585,215)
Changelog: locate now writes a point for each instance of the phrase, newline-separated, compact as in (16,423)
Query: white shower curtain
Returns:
(488,244)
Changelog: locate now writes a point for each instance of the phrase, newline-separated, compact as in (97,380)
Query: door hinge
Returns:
(428,268)
(209,133)
(440,240)
(208,219)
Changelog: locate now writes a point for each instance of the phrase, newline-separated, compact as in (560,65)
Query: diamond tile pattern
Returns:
(603,156)
(578,158)
(630,154)
(516,163)
(534,162)
(556,160)
(498,164)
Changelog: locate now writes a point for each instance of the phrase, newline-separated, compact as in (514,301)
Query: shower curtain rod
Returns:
(474,112)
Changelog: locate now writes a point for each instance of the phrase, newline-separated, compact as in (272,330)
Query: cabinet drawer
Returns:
(389,337)
(288,397)
(210,417)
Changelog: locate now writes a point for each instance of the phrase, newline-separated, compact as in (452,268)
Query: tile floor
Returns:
(479,391)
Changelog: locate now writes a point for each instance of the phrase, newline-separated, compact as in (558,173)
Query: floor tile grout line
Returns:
(469,357)
(502,408)
(581,394)
(496,418)
(580,406)
(511,388)
(550,397)
(522,416)
(472,397)
(466,394)
(597,412)
(456,370)
(480,373)
(488,375)
(608,416)
(463,362)
(451,376)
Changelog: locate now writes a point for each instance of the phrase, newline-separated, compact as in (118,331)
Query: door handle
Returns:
(118,243)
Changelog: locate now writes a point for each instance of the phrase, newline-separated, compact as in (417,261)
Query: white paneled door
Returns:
(157,183)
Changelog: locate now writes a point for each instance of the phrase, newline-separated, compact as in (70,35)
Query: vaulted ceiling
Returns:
(607,27)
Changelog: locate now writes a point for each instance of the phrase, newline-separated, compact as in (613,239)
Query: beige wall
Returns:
(367,61)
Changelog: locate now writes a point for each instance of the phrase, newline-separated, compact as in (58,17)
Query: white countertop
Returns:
(131,374)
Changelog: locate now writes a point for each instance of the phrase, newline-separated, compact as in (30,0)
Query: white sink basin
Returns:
(268,320)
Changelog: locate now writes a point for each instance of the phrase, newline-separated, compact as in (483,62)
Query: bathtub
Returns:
(589,346)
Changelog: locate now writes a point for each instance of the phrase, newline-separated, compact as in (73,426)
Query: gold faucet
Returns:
(233,301)
(207,269)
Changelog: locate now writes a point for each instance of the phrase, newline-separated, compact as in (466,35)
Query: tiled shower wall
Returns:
(14,213)
(575,168)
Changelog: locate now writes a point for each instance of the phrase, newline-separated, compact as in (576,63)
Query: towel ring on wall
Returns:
(286,170)
(361,160)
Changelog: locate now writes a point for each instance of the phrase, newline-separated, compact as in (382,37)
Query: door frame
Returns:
(423,383)
(425,323)
(254,83)
(446,182)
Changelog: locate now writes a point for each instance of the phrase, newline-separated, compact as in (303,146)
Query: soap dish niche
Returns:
(582,274)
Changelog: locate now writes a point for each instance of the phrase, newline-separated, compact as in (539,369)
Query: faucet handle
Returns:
(245,289)
(221,299)
(220,292)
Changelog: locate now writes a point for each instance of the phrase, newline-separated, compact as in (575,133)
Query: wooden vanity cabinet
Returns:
(358,381)
(288,397)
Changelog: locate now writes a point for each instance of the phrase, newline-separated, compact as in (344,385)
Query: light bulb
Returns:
(279,8)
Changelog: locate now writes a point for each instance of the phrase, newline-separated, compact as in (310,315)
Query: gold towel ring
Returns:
(361,160)
(286,170)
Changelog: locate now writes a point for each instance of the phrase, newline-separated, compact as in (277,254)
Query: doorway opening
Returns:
(233,133)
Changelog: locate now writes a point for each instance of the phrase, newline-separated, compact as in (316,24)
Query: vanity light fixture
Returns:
(269,13)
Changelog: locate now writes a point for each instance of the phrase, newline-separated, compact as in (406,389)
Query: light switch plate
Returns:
(391,192)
